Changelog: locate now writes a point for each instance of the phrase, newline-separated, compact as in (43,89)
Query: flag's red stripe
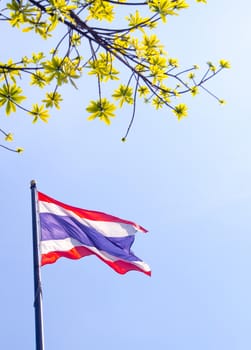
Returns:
(119,266)
(88,214)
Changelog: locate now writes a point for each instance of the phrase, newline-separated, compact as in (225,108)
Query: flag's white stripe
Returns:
(106,228)
(63,245)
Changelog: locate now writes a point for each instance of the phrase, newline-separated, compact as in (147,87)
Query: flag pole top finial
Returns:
(33,183)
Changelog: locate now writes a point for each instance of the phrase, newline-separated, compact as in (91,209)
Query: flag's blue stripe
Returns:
(54,227)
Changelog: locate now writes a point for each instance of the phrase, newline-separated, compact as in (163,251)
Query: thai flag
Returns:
(73,233)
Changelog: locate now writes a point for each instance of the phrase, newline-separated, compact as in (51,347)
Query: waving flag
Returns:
(73,233)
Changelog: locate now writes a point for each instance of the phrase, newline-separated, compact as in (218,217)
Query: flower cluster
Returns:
(152,75)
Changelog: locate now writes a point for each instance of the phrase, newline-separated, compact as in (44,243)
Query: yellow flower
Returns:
(143,91)
(75,39)
(180,111)
(123,94)
(157,73)
(39,112)
(102,109)
(38,79)
(53,99)
(151,44)
(10,96)
(191,75)
(225,64)
(173,62)
(100,10)
(103,68)
(166,7)
(157,103)
(176,93)
(9,137)
(136,21)
(211,66)
(194,90)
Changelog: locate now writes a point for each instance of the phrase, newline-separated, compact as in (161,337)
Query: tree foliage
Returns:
(93,39)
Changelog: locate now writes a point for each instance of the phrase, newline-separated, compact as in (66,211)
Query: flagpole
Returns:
(36,271)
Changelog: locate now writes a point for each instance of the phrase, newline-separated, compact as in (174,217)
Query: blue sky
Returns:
(187,182)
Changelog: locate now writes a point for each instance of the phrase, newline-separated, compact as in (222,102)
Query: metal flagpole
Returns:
(36,271)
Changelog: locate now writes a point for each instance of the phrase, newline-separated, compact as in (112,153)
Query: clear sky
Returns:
(187,182)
